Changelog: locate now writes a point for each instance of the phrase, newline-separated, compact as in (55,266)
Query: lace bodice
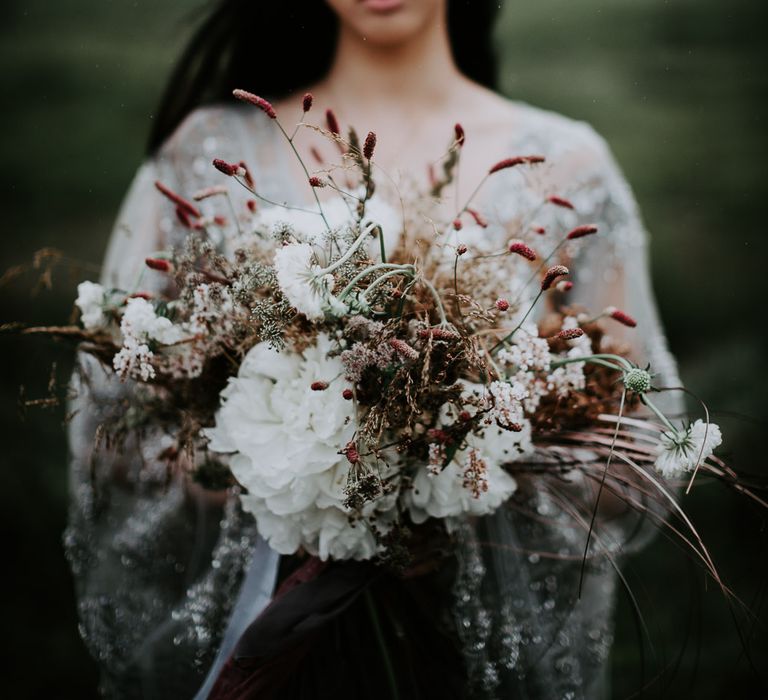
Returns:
(159,566)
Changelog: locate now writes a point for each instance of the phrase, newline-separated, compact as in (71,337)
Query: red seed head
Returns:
(552,274)
(564,286)
(183,216)
(581,231)
(306,102)
(351,453)
(480,220)
(316,182)
(252,205)
(570,333)
(230,169)
(519,248)
(158,264)
(461,249)
(459,135)
(247,175)
(348,394)
(369,145)
(621,316)
(517,160)
(560,202)
(438,333)
(333,123)
(502,304)
(539,229)
(404,349)
(318,386)
(178,200)
(457,225)
(465,416)
(256,101)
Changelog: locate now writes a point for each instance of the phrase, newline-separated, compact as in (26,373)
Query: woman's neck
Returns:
(421,72)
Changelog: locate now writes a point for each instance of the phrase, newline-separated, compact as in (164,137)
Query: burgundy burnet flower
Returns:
(552,274)
(256,101)
(348,394)
(480,220)
(230,169)
(369,145)
(517,160)
(520,248)
(351,453)
(158,264)
(581,231)
(457,225)
(319,385)
(306,102)
(560,202)
(502,304)
(461,249)
(178,200)
(333,123)
(570,333)
(315,181)
(621,316)
(403,349)
(459,135)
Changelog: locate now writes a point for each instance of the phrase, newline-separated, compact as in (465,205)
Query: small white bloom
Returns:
(90,300)
(297,275)
(140,321)
(681,451)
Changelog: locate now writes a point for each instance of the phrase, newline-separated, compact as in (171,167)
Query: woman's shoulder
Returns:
(552,132)
(217,130)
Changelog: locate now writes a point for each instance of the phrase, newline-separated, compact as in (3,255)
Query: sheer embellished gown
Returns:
(169,577)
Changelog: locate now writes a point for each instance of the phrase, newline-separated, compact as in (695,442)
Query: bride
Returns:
(170,575)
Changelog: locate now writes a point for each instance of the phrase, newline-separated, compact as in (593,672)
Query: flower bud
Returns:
(520,248)
(570,334)
(620,316)
(178,200)
(552,274)
(457,225)
(461,249)
(637,380)
(502,304)
(256,101)
(512,162)
(560,202)
(158,264)
(317,182)
(581,231)
(348,394)
(539,229)
(230,169)
(369,145)
(403,349)
(480,220)
(333,123)
(459,136)
(306,102)
(318,386)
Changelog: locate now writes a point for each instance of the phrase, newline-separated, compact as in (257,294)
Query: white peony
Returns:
(680,452)
(285,439)
(90,301)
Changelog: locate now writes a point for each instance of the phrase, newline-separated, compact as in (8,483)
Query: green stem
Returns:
(306,172)
(647,402)
(382,644)
(348,254)
(507,337)
(438,301)
(368,270)
(377,282)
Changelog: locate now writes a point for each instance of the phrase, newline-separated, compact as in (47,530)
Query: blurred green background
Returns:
(679,89)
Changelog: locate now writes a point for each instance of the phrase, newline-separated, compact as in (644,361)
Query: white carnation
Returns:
(286,440)
(90,300)
(680,452)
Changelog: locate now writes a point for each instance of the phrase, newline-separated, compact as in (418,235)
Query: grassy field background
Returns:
(678,88)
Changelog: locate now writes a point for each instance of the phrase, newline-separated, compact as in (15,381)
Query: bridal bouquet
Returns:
(357,370)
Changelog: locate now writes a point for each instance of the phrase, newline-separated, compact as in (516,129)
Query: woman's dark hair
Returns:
(273,48)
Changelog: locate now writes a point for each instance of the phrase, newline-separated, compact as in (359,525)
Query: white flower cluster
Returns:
(285,440)
(91,298)
(139,326)
(682,450)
